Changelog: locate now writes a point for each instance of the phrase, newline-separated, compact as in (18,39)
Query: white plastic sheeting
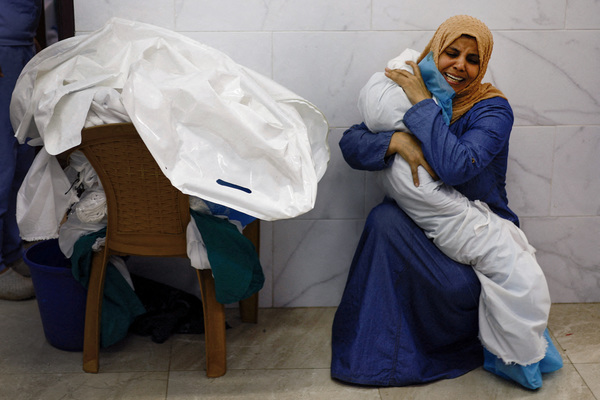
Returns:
(43,199)
(218,130)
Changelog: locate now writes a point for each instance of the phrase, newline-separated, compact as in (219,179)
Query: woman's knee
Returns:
(387,217)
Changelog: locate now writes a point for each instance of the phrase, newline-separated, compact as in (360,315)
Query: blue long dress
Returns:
(409,314)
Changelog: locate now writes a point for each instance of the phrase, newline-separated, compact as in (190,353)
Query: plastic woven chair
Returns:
(147,216)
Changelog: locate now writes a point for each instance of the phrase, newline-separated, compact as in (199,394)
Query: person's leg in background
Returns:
(15,160)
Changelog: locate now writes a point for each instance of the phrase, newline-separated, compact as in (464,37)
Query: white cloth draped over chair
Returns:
(218,130)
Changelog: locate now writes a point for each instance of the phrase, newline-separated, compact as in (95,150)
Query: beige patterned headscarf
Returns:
(446,34)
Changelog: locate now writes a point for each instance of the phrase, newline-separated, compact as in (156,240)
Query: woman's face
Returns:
(459,62)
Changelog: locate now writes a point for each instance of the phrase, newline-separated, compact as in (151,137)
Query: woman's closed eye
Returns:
(473,59)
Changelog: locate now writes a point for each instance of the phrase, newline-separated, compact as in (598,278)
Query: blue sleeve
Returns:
(459,153)
(365,150)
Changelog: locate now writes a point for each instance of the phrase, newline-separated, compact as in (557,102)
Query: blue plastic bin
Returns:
(61,299)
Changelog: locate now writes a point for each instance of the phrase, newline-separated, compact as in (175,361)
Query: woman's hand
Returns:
(409,148)
(413,85)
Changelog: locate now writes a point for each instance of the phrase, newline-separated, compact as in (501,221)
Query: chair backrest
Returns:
(146,214)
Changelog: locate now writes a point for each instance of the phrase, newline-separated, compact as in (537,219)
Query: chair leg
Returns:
(249,309)
(93,312)
(249,306)
(214,326)
(252,232)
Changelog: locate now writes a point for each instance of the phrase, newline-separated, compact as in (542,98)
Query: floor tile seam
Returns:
(203,372)
(256,369)
(584,380)
(127,369)
(167,384)
(583,361)
(586,363)
(74,373)
(171,349)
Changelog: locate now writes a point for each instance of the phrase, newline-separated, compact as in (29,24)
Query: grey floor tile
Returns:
(286,384)
(104,386)
(591,375)
(136,353)
(23,346)
(283,338)
(575,327)
(188,353)
(479,384)
(285,356)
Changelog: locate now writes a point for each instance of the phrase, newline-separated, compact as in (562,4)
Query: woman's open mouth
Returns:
(453,79)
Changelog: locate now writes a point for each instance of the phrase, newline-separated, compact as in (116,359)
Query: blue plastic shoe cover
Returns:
(528,376)
(552,361)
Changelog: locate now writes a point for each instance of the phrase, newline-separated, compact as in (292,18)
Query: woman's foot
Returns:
(14,286)
(528,376)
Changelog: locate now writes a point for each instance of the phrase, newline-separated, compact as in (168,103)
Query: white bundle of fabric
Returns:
(515,301)
(381,102)
(92,206)
(218,130)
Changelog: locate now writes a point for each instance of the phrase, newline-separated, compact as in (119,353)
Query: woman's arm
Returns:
(365,150)
(480,136)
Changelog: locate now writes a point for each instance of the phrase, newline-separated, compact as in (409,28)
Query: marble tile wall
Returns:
(546,60)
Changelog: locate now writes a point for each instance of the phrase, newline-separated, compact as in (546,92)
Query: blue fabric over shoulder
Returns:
(438,86)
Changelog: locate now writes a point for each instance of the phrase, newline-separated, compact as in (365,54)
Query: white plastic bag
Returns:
(218,130)
(43,199)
